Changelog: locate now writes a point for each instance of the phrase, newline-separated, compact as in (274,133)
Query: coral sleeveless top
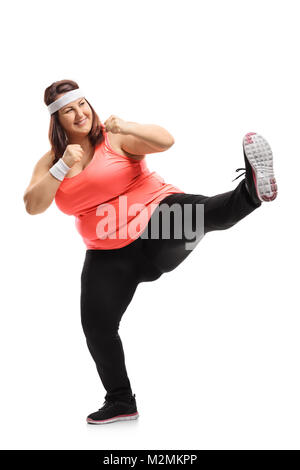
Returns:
(112,199)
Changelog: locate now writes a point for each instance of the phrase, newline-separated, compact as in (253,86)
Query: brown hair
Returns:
(56,134)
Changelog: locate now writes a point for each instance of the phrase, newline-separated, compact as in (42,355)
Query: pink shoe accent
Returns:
(248,137)
(89,420)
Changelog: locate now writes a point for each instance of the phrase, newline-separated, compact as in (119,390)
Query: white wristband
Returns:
(59,170)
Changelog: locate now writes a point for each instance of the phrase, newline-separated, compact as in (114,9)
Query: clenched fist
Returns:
(72,154)
(116,125)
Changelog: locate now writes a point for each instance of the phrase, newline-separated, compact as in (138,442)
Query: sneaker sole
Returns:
(260,157)
(115,418)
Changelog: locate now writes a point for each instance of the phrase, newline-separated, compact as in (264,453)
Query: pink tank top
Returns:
(112,199)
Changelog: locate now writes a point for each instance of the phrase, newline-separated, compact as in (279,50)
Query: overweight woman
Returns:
(134,225)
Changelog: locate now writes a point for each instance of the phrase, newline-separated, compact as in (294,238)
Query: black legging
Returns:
(109,278)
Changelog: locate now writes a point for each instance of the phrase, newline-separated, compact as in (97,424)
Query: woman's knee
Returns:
(99,324)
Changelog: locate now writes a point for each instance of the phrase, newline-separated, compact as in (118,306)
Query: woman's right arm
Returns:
(42,187)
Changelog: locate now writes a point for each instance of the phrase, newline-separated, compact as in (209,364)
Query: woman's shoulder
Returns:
(115,142)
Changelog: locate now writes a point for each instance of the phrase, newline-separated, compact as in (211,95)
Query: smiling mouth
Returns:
(81,122)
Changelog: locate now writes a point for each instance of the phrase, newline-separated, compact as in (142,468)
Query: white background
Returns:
(212,348)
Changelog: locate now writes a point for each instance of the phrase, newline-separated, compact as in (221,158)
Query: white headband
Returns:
(67,98)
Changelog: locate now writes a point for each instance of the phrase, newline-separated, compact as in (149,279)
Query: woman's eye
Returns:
(83,102)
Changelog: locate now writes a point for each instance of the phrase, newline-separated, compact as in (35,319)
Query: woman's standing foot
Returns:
(112,411)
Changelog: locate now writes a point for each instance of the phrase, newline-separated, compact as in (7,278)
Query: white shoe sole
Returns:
(260,157)
(115,418)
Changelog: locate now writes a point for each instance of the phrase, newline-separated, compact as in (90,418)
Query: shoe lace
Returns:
(106,404)
(238,169)
(109,402)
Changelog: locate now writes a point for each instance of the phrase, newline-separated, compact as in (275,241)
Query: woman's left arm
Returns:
(140,139)
(158,138)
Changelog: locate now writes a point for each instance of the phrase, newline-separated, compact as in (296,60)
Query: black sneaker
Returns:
(112,411)
(260,179)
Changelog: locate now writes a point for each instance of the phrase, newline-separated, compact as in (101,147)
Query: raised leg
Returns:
(221,212)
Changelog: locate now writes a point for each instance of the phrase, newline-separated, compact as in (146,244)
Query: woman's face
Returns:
(76,117)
